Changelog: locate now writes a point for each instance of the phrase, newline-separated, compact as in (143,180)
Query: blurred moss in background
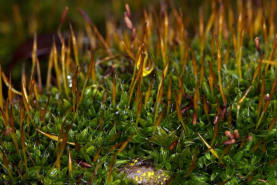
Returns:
(20,20)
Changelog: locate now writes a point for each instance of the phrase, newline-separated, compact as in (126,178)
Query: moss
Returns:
(200,110)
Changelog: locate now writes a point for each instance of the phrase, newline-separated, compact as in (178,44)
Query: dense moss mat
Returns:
(192,100)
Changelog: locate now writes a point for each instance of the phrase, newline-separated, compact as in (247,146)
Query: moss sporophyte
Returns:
(175,92)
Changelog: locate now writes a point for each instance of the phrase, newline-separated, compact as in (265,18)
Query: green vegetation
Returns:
(193,96)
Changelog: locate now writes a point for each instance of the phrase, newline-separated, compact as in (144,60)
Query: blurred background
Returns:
(19,20)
